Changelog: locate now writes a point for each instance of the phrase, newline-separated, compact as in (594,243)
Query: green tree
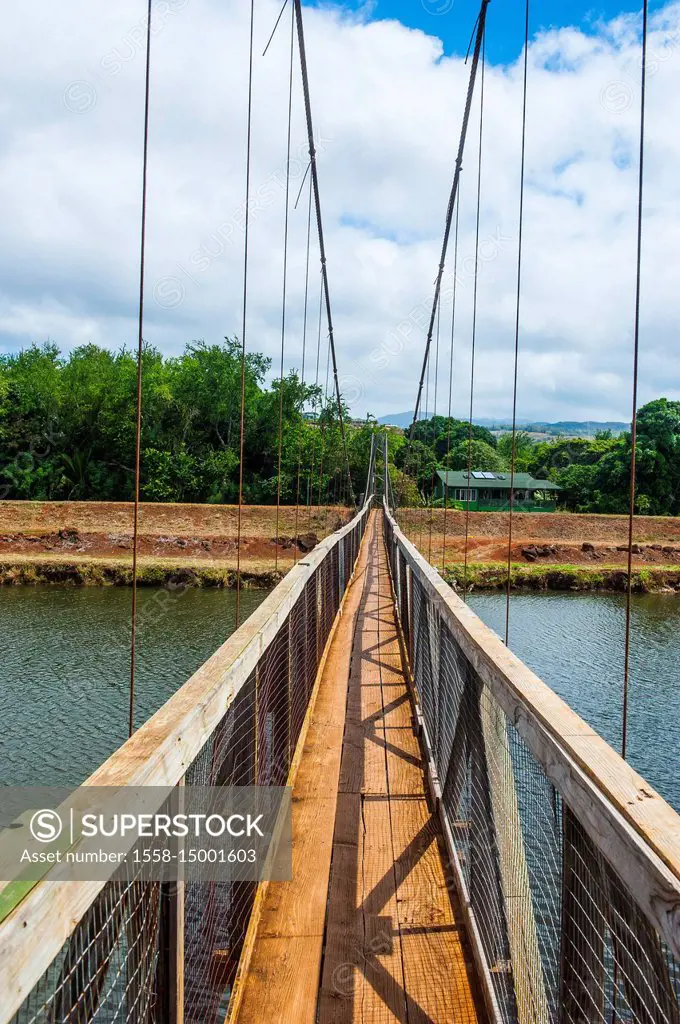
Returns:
(419,462)
(477,455)
(524,450)
(437,431)
(68,426)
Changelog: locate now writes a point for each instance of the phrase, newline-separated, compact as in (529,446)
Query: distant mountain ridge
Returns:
(586,427)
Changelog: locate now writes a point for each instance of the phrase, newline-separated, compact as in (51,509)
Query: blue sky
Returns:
(452,20)
(387,114)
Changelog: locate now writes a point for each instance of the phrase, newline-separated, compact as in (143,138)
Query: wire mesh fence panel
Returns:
(299,664)
(540,817)
(425,656)
(274,711)
(106,970)
(407,608)
(559,937)
(216,914)
(310,635)
(615,967)
(335,582)
(324,603)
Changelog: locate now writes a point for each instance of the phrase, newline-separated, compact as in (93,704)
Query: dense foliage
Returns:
(594,473)
(67,428)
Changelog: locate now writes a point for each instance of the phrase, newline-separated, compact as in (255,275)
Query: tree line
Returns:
(67,428)
(67,431)
(594,473)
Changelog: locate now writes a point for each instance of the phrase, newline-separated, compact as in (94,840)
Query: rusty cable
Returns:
(246,237)
(513,455)
(284,286)
(636,360)
(474,337)
(140,354)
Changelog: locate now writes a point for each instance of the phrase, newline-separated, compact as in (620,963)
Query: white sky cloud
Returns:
(387,109)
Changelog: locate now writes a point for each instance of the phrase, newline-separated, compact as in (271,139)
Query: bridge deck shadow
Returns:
(394,949)
(367,930)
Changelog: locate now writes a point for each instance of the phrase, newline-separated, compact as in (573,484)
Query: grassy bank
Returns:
(150,573)
(493,576)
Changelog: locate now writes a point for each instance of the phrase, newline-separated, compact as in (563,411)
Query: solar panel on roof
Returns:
(489,476)
(478,476)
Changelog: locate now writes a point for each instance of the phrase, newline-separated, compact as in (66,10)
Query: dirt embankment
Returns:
(544,538)
(91,542)
(550,551)
(573,527)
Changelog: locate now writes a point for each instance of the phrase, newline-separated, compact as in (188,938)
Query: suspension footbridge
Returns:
(465,848)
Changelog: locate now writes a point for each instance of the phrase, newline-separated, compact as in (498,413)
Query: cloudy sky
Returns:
(388,83)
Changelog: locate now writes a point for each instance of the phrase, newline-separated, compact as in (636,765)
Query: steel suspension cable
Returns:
(319,225)
(323,439)
(426,413)
(285,283)
(475,291)
(302,185)
(246,237)
(451,350)
(479,37)
(518,298)
(140,359)
(317,402)
(434,417)
(391,500)
(387,483)
(371,468)
(636,362)
(302,370)
(276,25)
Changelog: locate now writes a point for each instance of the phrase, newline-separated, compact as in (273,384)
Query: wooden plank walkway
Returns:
(367,930)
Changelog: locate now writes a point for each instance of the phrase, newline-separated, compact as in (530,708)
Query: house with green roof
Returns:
(490,492)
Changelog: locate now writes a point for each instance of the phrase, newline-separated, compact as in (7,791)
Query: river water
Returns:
(65,664)
(574,642)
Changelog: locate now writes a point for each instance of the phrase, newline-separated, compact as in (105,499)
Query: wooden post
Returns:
(174,900)
(171,965)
